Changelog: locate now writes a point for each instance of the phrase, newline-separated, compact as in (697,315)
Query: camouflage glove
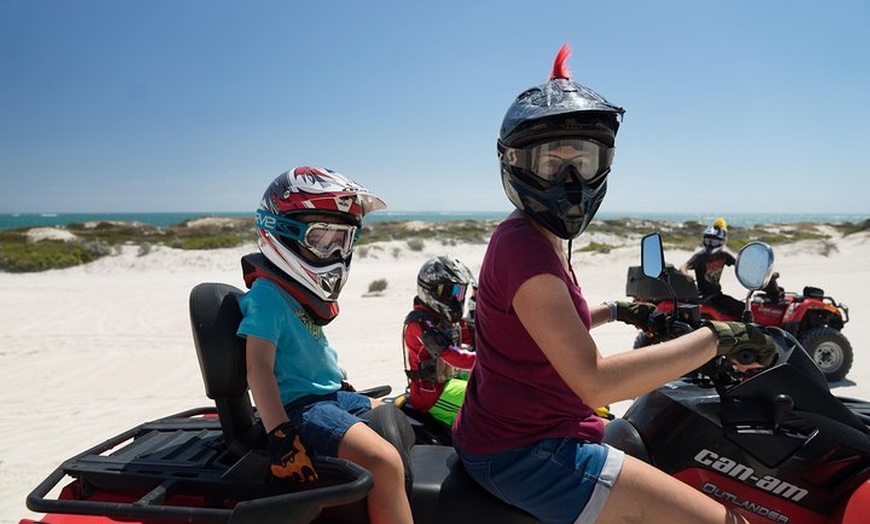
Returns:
(288,457)
(634,313)
(743,342)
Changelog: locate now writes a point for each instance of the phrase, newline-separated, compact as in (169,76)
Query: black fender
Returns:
(621,434)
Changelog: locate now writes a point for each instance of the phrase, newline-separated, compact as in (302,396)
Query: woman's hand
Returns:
(745,344)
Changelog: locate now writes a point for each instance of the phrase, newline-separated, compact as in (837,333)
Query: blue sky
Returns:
(118,105)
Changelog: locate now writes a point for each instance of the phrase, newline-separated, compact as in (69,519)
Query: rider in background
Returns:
(307,223)
(438,341)
(527,432)
(707,264)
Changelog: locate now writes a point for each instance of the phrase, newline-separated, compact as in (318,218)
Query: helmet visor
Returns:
(449,292)
(711,242)
(322,239)
(550,161)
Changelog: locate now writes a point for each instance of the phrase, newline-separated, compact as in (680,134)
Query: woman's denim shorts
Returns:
(558,480)
(322,420)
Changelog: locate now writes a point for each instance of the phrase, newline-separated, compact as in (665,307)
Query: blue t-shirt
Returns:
(305,363)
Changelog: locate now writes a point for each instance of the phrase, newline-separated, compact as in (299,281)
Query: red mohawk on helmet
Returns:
(560,66)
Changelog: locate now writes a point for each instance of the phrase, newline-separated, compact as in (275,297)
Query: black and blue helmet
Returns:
(560,193)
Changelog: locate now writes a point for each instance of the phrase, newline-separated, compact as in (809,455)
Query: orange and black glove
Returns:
(288,457)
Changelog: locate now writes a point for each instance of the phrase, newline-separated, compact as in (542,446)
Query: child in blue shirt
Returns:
(307,223)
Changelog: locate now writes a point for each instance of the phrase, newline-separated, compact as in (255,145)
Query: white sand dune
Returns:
(88,352)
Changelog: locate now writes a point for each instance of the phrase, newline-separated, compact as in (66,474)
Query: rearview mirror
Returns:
(652,257)
(754,265)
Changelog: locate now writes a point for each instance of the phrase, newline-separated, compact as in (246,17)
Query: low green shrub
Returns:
(377,286)
(209,241)
(23,257)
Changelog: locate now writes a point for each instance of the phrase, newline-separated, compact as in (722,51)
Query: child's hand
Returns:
(435,341)
(288,456)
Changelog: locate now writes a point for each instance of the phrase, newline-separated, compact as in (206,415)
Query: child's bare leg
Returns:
(643,493)
(387,501)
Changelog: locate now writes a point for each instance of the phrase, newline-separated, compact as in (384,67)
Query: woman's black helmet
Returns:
(551,131)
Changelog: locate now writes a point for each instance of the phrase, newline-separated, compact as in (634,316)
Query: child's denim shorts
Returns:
(558,480)
(322,420)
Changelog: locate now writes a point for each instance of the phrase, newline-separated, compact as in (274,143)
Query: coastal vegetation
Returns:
(40,249)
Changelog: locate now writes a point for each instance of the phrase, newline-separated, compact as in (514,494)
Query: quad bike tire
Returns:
(830,350)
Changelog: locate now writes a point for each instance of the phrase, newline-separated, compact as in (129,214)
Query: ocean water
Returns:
(27,220)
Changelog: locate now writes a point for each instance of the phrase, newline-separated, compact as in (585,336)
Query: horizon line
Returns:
(439,212)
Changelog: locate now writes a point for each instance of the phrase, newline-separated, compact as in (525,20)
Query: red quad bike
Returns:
(775,444)
(815,319)
(210,464)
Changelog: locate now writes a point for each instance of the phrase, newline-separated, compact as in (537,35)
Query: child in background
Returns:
(437,340)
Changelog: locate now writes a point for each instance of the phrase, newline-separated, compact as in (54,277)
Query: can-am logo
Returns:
(747,475)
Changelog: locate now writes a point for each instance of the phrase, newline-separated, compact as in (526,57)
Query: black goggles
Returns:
(448,292)
(550,161)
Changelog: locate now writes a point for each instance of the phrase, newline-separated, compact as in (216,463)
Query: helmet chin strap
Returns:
(571,266)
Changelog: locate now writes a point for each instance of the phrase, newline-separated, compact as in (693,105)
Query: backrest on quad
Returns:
(644,288)
(214,319)
(813,292)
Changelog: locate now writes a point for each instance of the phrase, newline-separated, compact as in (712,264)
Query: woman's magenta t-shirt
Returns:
(515,396)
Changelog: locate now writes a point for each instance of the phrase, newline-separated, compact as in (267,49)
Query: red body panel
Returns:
(756,505)
(858,507)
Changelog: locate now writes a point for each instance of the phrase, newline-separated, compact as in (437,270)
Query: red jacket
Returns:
(424,393)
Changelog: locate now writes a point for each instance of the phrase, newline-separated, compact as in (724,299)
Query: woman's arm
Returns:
(260,362)
(600,315)
(546,310)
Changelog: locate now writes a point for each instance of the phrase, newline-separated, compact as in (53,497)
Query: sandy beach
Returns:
(91,351)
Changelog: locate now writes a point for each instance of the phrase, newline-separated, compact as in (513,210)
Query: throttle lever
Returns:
(783,405)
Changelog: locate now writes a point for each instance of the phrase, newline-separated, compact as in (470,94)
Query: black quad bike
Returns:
(774,444)
(210,464)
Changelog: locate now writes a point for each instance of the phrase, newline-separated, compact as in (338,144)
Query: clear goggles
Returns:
(323,239)
(550,161)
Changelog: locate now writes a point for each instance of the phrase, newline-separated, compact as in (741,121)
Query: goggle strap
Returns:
(287,227)
(283,226)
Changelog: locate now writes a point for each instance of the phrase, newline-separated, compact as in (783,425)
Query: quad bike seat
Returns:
(428,429)
(813,292)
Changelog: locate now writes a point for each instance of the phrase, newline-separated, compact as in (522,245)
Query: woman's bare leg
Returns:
(645,494)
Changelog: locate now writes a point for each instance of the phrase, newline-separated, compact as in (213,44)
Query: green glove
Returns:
(635,313)
(745,343)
